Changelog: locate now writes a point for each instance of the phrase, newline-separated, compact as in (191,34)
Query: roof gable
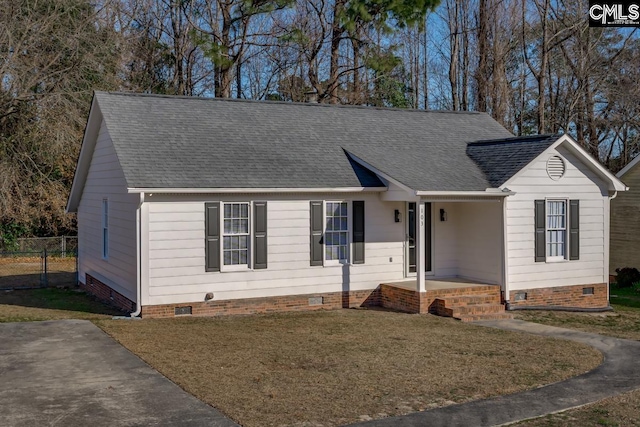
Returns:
(502,158)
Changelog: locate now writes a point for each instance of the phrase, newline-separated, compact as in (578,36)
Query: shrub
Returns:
(626,277)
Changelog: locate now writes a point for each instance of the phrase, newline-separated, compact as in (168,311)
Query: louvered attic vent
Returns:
(555,167)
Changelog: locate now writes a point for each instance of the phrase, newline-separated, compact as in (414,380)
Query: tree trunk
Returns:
(336,37)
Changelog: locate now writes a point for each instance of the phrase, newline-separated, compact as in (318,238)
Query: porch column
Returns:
(420,246)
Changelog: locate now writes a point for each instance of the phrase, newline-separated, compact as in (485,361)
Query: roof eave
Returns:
(89,140)
(489,192)
(254,190)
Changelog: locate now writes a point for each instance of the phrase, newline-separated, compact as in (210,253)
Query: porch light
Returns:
(443,215)
(397,216)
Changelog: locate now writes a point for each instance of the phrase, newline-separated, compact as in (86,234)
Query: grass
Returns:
(323,368)
(51,304)
(623,322)
(332,368)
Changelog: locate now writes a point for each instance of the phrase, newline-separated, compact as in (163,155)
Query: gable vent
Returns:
(555,167)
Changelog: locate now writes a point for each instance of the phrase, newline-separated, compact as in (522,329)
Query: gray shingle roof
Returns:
(182,142)
(501,159)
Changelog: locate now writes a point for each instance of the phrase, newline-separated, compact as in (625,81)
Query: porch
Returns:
(456,297)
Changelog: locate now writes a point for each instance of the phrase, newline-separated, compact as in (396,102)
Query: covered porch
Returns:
(455,251)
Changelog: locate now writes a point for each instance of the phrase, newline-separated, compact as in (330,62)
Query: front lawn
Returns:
(623,322)
(333,368)
(322,368)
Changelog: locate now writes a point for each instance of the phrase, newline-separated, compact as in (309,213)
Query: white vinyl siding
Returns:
(578,183)
(176,251)
(105,181)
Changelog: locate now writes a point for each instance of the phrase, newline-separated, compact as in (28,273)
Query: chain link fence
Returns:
(40,262)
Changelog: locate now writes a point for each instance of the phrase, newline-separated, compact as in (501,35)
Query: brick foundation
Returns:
(330,301)
(106,294)
(563,296)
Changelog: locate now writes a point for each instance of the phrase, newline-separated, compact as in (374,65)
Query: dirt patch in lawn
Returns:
(333,368)
(51,304)
(618,411)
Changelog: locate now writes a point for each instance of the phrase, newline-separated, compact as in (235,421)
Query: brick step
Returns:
(477,309)
(472,299)
(472,290)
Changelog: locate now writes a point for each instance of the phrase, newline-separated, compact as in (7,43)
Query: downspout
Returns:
(138,257)
(608,237)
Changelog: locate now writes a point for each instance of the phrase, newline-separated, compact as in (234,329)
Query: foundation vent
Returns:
(182,311)
(316,301)
(555,167)
(520,296)
(587,291)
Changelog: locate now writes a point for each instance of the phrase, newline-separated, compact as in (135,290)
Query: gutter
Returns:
(138,257)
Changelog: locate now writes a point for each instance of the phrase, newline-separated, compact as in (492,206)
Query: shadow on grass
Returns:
(626,297)
(71,299)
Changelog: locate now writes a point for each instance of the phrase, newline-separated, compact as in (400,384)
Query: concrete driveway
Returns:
(70,373)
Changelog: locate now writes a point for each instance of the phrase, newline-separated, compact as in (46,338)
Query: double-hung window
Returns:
(336,236)
(556,229)
(337,232)
(235,234)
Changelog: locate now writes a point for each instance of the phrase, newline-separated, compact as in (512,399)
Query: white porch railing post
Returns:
(420,247)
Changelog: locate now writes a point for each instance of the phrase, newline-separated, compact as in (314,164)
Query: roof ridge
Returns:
(514,139)
(306,104)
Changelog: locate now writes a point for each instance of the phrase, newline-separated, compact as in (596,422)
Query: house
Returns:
(209,206)
(625,221)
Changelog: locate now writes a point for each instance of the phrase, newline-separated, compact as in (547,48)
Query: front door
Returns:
(411,238)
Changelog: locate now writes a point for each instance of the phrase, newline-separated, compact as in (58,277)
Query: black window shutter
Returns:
(540,237)
(358,232)
(260,235)
(574,229)
(212,236)
(316,232)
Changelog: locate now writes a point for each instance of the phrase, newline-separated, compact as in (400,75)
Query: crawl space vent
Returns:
(182,311)
(555,167)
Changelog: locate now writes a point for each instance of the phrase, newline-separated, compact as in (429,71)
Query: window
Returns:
(336,231)
(556,228)
(231,239)
(105,228)
(235,234)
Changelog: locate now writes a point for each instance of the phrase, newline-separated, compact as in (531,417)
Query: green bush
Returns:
(636,287)
(627,277)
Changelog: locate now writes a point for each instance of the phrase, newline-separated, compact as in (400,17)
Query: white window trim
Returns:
(104,214)
(334,262)
(240,267)
(565,257)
